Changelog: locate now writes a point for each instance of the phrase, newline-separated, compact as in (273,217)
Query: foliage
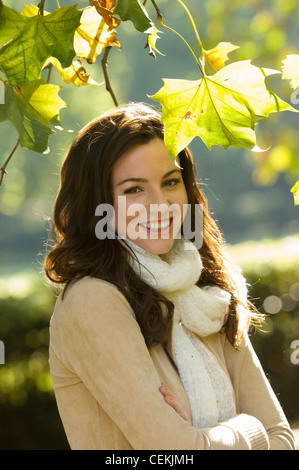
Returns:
(216,107)
(29,39)
(221,109)
(271,270)
(29,416)
(32,107)
(291,72)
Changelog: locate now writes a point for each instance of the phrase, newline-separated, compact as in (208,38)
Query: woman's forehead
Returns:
(145,160)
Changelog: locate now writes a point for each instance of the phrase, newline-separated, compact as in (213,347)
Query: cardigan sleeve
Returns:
(103,344)
(255,396)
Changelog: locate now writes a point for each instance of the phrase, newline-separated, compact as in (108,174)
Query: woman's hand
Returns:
(172,401)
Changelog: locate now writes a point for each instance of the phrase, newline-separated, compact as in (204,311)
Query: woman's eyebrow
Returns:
(142,180)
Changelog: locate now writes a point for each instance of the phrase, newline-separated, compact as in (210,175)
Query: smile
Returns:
(157,226)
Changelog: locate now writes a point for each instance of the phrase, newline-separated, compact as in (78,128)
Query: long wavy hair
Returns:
(76,252)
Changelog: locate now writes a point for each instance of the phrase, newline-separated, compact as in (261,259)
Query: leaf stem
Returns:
(193,23)
(161,23)
(3,169)
(159,14)
(106,75)
(41,7)
(50,68)
(58,3)
(187,44)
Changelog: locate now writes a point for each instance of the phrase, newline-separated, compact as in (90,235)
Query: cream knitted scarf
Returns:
(198,312)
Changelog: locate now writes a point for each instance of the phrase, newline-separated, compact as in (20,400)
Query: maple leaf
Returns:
(222,109)
(93,36)
(33,39)
(33,107)
(218,56)
(291,70)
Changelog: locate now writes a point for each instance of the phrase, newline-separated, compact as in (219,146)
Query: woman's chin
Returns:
(157,247)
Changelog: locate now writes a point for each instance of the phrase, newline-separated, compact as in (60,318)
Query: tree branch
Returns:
(3,169)
(41,7)
(159,14)
(106,75)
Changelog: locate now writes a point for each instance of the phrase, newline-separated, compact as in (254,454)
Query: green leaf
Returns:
(33,39)
(133,10)
(295,191)
(222,109)
(32,107)
(291,70)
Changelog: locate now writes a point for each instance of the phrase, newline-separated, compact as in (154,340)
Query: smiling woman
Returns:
(157,192)
(139,312)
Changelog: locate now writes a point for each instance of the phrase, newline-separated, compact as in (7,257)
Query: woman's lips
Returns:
(158,227)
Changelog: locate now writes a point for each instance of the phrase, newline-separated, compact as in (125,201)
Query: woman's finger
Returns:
(171,400)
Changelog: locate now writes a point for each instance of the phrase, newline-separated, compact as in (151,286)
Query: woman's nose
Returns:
(158,202)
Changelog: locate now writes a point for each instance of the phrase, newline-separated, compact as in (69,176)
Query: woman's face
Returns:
(149,197)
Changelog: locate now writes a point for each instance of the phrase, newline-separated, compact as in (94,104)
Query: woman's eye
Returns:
(133,190)
(172,182)
(137,189)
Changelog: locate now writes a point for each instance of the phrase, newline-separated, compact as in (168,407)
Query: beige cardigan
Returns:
(107,382)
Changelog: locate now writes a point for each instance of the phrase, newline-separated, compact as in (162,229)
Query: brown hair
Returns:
(76,252)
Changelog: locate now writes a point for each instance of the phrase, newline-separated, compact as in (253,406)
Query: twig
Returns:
(159,14)
(3,169)
(41,7)
(106,75)
(50,68)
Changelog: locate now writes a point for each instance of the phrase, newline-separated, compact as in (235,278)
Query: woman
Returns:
(148,340)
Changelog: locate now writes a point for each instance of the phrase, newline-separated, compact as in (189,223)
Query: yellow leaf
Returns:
(32,11)
(295,191)
(151,42)
(217,56)
(75,74)
(291,70)
(93,35)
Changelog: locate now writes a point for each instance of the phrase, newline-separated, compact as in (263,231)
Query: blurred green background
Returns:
(249,194)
